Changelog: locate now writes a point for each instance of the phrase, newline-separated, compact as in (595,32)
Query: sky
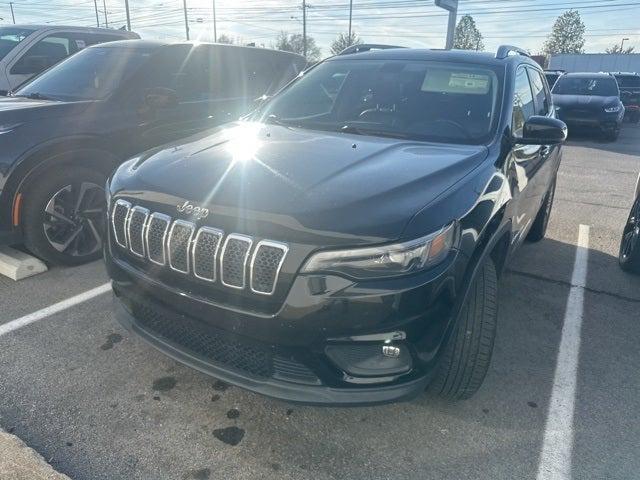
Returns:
(412,23)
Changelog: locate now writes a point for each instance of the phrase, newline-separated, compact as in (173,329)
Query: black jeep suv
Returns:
(342,244)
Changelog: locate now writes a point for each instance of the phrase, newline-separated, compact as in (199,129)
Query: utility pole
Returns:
(106,19)
(13,17)
(304,28)
(95,4)
(186,18)
(350,17)
(215,33)
(452,7)
(126,6)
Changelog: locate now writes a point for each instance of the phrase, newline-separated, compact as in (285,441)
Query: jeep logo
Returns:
(190,209)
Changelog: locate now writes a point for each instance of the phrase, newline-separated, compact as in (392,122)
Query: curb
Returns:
(19,462)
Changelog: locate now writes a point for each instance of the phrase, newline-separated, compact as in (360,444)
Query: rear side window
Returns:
(523,105)
(542,102)
(10,37)
(628,81)
(45,53)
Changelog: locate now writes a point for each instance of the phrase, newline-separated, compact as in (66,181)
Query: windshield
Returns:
(10,37)
(599,87)
(628,81)
(398,98)
(91,74)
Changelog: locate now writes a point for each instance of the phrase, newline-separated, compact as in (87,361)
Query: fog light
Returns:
(370,360)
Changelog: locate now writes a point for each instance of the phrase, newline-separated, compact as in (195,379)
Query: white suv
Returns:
(26,50)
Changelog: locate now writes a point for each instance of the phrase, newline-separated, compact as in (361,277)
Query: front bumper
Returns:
(606,122)
(286,355)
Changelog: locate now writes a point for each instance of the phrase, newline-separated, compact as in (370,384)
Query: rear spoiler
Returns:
(365,47)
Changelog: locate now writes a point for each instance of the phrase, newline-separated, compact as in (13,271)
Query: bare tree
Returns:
(344,40)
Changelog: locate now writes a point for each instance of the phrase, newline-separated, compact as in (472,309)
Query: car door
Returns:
(549,155)
(524,159)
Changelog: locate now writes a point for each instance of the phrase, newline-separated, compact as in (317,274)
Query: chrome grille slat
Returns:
(136,224)
(204,253)
(233,260)
(178,245)
(156,237)
(119,216)
(265,266)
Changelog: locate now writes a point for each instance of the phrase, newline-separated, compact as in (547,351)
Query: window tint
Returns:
(45,53)
(597,86)
(628,81)
(539,92)
(523,106)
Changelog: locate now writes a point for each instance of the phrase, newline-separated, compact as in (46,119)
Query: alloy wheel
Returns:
(73,219)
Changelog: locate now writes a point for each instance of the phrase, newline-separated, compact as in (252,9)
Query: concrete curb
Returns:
(18,265)
(19,462)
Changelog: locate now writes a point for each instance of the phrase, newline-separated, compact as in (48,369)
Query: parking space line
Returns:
(52,309)
(557,445)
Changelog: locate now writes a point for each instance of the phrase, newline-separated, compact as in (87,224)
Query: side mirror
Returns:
(540,130)
(160,97)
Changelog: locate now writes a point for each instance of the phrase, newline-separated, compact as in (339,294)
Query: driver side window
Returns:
(523,106)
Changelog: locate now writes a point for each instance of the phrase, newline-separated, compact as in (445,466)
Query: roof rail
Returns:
(365,47)
(505,50)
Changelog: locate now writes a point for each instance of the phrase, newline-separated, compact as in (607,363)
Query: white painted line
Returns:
(557,445)
(52,309)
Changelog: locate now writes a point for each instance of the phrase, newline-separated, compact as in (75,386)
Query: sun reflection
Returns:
(244,142)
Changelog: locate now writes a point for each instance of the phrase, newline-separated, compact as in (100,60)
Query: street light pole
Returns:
(350,17)
(215,33)
(452,7)
(186,18)
(622,45)
(304,28)
(126,6)
(13,17)
(95,4)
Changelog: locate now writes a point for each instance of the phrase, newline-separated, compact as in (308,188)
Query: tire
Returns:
(465,360)
(54,229)
(612,135)
(540,224)
(629,257)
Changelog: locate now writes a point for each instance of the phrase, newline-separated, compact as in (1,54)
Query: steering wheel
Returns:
(451,123)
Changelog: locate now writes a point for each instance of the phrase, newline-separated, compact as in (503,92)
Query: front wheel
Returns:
(629,257)
(63,215)
(467,354)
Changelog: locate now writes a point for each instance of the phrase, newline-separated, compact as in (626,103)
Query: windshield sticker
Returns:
(456,82)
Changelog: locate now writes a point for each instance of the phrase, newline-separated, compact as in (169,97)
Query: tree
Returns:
(567,35)
(343,40)
(224,38)
(618,49)
(294,43)
(467,36)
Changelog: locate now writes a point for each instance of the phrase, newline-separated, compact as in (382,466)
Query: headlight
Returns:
(8,127)
(388,260)
(612,109)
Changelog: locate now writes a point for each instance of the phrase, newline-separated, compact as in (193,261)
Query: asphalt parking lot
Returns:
(100,404)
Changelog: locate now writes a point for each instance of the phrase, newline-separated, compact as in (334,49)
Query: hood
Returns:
(20,108)
(298,185)
(585,102)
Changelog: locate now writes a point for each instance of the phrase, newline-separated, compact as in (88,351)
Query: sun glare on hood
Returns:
(244,142)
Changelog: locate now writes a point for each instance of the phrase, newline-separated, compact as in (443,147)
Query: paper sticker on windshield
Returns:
(445,81)
(80,44)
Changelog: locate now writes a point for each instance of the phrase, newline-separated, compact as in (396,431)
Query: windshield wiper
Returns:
(349,128)
(275,120)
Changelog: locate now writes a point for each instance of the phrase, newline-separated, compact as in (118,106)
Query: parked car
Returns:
(26,50)
(630,245)
(343,243)
(552,76)
(590,100)
(67,129)
(629,84)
